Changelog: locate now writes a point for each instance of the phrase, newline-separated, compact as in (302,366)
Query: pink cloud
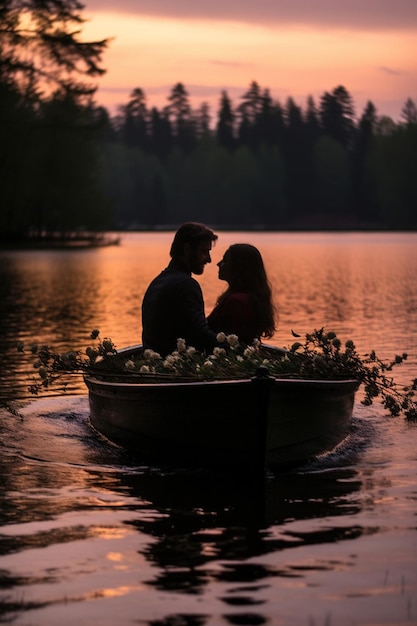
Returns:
(357,14)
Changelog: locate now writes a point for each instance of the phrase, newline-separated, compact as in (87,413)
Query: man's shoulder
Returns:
(176,275)
(172,277)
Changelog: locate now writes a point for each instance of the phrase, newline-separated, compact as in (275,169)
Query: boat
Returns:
(258,423)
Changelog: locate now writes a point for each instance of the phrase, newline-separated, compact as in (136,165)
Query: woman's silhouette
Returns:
(245,308)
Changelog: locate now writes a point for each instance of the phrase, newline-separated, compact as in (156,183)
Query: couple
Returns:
(173,305)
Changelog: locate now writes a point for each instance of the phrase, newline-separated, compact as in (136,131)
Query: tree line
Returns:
(260,163)
(66,163)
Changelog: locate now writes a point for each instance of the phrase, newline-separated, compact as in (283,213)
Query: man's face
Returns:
(198,256)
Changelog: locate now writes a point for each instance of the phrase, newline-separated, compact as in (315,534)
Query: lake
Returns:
(90,535)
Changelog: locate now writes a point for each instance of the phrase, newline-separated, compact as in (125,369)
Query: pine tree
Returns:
(41,50)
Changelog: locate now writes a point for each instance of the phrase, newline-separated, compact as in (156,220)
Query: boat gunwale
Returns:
(99,377)
(307,382)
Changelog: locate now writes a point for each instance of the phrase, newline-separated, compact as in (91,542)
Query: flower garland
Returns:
(320,356)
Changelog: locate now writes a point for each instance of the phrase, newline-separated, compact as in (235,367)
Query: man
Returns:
(173,305)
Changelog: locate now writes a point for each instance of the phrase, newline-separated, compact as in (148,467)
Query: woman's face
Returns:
(224,267)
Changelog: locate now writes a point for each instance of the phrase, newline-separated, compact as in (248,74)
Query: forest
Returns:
(66,163)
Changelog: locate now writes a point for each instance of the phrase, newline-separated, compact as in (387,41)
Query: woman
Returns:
(245,308)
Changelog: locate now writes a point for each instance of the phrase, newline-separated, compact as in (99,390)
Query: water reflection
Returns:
(206,519)
(203,530)
(86,527)
(63,486)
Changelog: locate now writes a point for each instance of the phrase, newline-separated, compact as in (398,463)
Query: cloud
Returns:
(353,14)
(391,71)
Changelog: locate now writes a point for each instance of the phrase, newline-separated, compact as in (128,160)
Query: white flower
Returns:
(130,365)
(208,363)
(221,338)
(240,358)
(249,352)
(219,352)
(191,350)
(256,343)
(151,355)
(181,346)
(232,340)
(145,369)
(171,360)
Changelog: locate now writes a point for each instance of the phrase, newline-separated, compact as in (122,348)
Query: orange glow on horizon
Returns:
(208,56)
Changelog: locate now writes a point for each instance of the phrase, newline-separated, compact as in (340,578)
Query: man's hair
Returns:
(192,233)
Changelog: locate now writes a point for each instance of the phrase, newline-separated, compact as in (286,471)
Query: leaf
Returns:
(294,334)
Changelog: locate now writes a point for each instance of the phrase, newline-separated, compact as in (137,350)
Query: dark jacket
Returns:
(173,308)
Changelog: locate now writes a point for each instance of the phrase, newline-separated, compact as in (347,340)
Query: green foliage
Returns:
(49,129)
(337,115)
(321,356)
(263,164)
(49,162)
(331,165)
(66,164)
(392,164)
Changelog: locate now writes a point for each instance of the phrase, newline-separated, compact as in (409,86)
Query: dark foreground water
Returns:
(89,535)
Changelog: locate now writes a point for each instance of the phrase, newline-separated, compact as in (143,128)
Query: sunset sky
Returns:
(294,47)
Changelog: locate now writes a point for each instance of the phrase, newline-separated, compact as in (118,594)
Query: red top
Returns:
(235,315)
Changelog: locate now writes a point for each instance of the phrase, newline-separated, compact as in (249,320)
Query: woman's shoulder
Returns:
(239,302)
(240,297)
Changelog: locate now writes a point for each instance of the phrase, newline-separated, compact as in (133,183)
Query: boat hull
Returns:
(239,424)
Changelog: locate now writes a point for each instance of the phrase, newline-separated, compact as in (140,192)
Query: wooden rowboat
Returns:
(255,423)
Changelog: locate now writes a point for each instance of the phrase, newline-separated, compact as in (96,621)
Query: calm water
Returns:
(88,535)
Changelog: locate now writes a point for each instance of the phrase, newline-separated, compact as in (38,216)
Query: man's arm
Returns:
(198,333)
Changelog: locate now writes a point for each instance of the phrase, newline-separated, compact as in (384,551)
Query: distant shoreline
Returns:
(83,241)
(59,240)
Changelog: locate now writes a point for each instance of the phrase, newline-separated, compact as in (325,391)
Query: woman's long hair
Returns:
(246,274)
